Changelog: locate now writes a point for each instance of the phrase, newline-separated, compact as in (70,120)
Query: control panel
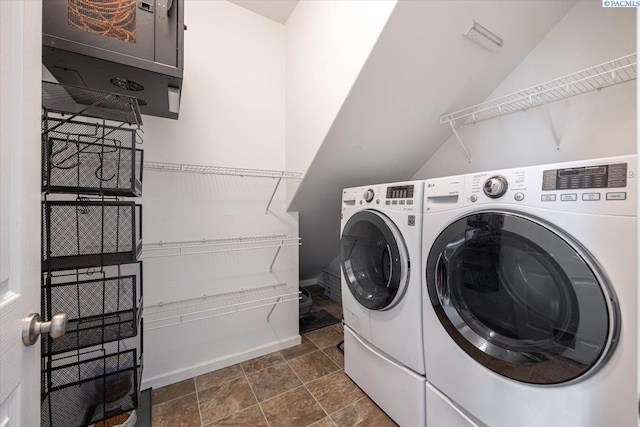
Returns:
(601,186)
(601,176)
(405,196)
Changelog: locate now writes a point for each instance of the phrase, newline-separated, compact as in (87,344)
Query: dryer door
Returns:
(375,263)
(521,299)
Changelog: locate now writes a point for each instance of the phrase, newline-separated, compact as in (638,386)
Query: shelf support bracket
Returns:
(266,212)
(273,308)
(550,121)
(274,258)
(455,132)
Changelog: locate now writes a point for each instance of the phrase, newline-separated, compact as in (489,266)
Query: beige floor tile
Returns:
(180,412)
(313,366)
(325,337)
(363,413)
(295,408)
(325,422)
(218,377)
(335,355)
(335,391)
(251,416)
(173,391)
(305,347)
(262,362)
(273,381)
(225,399)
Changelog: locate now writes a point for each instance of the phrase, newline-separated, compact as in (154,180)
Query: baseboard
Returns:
(308,282)
(212,365)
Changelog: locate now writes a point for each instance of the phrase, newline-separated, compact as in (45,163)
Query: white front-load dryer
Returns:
(381,237)
(530,298)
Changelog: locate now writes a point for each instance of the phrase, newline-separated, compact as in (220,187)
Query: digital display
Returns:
(583,171)
(400,192)
(602,176)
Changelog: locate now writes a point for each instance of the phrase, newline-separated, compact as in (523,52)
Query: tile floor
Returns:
(299,386)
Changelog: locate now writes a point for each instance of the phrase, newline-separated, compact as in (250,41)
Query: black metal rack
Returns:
(102,306)
(90,251)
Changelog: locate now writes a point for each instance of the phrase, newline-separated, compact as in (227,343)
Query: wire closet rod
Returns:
(220,170)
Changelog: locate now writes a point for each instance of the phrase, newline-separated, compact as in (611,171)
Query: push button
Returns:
(394,202)
(518,197)
(409,202)
(473,198)
(617,196)
(591,196)
(388,202)
(401,202)
(571,197)
(548,198)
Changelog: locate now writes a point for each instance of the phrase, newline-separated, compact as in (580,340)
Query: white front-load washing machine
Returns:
(530,296)
(381,237)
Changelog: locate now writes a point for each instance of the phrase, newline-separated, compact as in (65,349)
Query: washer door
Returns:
(375,262)
(520,299)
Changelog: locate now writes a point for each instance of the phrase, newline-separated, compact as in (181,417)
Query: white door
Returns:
(20,75)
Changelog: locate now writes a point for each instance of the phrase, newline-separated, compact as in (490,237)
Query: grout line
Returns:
(255,395)
(175,398)
(309,391)
(198,401)
(216,384)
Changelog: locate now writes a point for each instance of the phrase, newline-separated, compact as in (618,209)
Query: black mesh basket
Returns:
(83,389)
(80,234)
(103,306)
(90,158)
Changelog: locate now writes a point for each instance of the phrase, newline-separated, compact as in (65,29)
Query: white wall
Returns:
(232,114)
(388,126)
(597,124)
(327,43)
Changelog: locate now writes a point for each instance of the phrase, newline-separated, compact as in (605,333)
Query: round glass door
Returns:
(374,260)
(520,299)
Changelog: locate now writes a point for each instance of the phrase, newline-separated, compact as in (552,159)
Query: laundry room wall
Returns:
(327,43)
(232,115)
(597,124)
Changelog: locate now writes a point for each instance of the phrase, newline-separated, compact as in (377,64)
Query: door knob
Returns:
(33,327)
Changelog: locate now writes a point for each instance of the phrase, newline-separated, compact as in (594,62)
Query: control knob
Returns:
(495,186)
(368,195)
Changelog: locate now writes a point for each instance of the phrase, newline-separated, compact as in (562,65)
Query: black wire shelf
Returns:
(102,306)
(73,101)
(81,234)
(90,157)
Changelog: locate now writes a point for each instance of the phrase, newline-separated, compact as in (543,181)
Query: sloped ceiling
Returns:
(421,67)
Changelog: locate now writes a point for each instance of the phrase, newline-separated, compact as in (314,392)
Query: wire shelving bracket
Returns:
(610,73)
(211,246)
(163,315)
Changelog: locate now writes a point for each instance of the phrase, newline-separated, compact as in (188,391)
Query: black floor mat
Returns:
(319,319)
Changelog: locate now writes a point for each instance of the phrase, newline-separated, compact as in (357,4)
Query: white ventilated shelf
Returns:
(610,73)
(220,170)
(174,313)
(210,246)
